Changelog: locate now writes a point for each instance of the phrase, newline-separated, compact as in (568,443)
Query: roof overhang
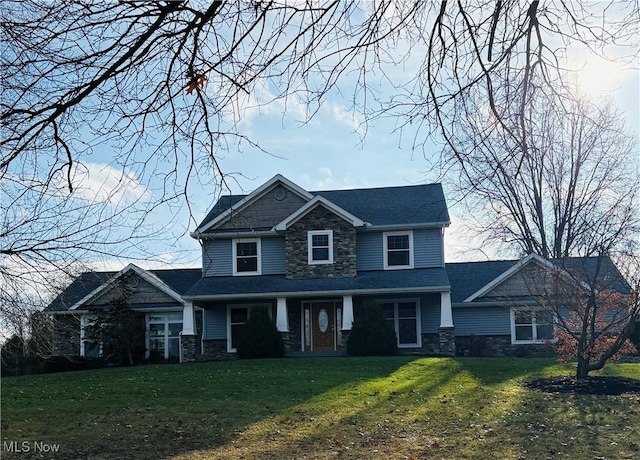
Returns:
(324,293)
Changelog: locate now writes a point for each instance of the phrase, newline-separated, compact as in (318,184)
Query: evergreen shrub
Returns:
(371,333)
(260,338)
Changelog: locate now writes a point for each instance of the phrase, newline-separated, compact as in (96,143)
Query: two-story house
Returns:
(313,260)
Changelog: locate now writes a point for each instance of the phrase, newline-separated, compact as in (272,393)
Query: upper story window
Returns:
(398,250)
(246,257)
(531,325)
(320,247)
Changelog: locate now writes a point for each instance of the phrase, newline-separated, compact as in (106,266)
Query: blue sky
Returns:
(331,152)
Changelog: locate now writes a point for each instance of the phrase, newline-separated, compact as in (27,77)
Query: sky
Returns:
(332,151)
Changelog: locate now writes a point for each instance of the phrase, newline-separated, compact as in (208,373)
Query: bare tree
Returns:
(569,193)
(163,85)
(573,192)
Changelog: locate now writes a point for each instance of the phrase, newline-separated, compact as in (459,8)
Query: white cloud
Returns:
(103,183)
(346,117)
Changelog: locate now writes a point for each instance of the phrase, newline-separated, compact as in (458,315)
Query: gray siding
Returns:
(217,258)
(138,291)
(369,251)
(266,211)
(427,249)
(482,321)
(273,256)
(215,322)
(430,313)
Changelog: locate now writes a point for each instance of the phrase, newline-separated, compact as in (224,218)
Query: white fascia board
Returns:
(401,227)
(311,205)
(251,197)
(311,294)
(226,235)
(149,277)
(508,274)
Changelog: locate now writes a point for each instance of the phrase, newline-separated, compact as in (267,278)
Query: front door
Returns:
(321,324)
(323,321)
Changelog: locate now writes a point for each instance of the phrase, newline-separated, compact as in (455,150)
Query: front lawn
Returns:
(393,408)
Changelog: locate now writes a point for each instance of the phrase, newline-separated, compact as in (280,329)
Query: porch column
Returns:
(188,334)
(282,316)
(446,331)
(188,319)
(446,317)
(347,312)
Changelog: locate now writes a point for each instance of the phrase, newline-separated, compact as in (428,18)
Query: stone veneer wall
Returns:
(65,340)
(497,346)
(294,337)
(215,350)
(344,246)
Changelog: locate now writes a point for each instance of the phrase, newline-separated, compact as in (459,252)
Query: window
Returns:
(246,257)
(398,250)
(236,318)
(403,316)
(531,325)
(90,346)
(163,336)
(320,247)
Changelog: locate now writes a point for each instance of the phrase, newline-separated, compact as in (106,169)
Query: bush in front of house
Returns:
(260,338)
(371,333)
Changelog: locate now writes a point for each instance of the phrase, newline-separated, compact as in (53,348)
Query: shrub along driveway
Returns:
(395,407)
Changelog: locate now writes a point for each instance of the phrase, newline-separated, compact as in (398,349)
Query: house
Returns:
(312,259)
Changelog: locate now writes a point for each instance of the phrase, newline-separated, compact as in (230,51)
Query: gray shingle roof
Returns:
(180,280)
(469,277)
(412,204)
(427,279)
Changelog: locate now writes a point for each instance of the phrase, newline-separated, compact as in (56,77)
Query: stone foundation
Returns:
(188,348)
(447,341)
(215,350)
(497,346)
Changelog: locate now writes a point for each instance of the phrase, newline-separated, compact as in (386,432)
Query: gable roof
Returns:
(471,280)
(88,285)
(311,205)
(231,203)
(408,205)
(515,268)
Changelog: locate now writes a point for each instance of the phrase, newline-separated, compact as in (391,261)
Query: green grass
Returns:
(395,408)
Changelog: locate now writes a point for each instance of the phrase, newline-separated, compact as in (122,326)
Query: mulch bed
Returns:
(588,386)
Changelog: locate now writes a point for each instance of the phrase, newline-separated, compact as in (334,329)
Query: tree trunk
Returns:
(582,368)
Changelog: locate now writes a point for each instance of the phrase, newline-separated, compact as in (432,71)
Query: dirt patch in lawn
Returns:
(604,385)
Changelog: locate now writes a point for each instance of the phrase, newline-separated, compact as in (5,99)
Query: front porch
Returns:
(320,326)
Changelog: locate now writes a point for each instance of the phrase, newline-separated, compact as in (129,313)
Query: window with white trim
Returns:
(531,325)
(320,247)
(90,346)
(398,250)
(246,257)
(163,335)
(404,316)
(237,316)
